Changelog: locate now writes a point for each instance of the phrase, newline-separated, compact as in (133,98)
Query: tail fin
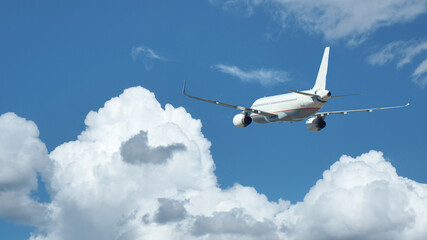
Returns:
(323,70)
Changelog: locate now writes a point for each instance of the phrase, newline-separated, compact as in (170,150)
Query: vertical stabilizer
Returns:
(323,70)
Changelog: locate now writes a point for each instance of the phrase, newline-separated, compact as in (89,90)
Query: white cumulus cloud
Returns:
(336,19)
(360,198)
(97,192)
(22,158)
(265,77)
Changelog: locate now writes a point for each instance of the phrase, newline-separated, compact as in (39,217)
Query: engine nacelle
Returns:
(315,124)
(241,120)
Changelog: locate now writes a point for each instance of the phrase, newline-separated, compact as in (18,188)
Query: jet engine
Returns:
(242,120)
(315,123)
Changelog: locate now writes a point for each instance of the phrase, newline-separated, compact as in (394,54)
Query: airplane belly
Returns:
(260,119)
(288,111)
(294,114)
(285,116)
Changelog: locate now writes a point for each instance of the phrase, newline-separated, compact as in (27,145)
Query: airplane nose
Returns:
(329,94)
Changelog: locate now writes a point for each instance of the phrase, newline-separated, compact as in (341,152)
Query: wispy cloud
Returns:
(386,54)
(147,52)
(353,20)
(245,7)
(420,74)
(403,53)
(147,55)
(265,77)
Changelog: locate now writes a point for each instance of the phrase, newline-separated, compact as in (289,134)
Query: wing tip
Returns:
(183,88)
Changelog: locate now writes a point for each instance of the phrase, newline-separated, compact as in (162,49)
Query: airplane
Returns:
(292,107)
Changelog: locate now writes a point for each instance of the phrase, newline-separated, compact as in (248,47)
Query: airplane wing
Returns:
(267,114)
(324,114)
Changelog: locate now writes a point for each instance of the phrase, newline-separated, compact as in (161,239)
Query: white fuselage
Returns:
(289,107)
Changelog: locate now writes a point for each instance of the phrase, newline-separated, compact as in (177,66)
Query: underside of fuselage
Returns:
(290,115)
(289,107)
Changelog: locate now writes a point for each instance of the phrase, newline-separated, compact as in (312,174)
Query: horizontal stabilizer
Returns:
(347,95)
(304,93)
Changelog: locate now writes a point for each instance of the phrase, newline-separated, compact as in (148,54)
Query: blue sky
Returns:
(61,60)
